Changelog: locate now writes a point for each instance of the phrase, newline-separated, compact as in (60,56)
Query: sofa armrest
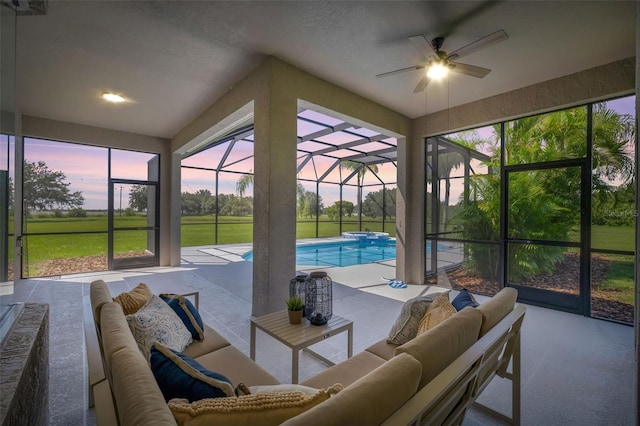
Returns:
(94,355)
(195,296)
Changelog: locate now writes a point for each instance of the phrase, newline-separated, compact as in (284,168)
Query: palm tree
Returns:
(244,182)
(362,170)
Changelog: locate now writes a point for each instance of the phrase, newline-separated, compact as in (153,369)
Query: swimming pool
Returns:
(342,253)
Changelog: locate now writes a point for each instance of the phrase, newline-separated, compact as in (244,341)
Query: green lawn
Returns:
(200,230)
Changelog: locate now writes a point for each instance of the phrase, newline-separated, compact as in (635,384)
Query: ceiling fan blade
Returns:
(478,44)
(401,70)
(470,70)
(421,42)
(422,84)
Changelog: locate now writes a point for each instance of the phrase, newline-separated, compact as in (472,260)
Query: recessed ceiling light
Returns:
(113,97)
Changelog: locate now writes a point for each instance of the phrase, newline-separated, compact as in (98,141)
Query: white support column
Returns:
(274,223)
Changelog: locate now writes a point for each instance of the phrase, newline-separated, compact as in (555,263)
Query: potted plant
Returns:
(295,306)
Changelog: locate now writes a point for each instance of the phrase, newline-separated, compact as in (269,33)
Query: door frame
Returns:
(133,262)
(580,304)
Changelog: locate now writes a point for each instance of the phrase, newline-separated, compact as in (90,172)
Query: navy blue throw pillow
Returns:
(187,313)
(179,376)
(464,299)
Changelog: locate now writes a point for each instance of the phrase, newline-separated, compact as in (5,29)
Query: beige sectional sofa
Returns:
(431,379)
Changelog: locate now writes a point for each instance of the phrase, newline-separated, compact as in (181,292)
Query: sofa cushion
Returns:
(132,301)
(180,376)
(406,326)
(496,308)
(346,372)
(264,409)
(136,393)
(253,390)
(370,400)
(438,311)
(212,342)
(383,349)
(441,345)
(187,313)
(464,299)
(237,367)
(156,321)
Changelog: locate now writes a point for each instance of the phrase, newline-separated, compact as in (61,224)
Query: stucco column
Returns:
(274,203)
(410,258)
(170,240)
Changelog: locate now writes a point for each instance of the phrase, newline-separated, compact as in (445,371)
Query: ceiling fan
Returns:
(437,66)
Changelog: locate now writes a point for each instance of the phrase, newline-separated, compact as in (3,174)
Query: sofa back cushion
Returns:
(496,308)
(99,293)
(135,391)
(438,347)
(371,399)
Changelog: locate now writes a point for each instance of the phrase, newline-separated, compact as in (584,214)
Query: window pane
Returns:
(547,137)
(612,287)
(134,165)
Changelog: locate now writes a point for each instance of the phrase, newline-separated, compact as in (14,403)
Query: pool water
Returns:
(342,253)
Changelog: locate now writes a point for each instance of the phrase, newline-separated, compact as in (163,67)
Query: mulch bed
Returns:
(604,304)
(74,265)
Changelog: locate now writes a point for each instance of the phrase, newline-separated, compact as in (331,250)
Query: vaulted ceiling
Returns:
(175,58)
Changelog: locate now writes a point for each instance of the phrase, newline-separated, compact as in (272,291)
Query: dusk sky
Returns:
(86,167)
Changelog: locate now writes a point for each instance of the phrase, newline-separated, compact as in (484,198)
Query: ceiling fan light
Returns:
(113,97)
(437,71)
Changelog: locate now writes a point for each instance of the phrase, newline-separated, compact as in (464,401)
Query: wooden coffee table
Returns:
(300,336)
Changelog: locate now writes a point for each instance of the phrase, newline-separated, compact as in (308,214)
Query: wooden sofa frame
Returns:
(446,399)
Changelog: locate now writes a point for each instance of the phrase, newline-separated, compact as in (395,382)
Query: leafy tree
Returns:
(198,204)
(373,205)
(11,195)
(236,206)
(334,211)
(45,189)
(544,204)
(309,203)
(138,198)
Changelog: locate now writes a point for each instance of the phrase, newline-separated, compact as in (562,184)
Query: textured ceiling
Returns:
(173,59)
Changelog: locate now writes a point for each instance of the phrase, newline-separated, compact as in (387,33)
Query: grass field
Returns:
(201,230)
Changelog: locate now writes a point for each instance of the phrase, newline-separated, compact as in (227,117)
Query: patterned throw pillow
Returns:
(180,376)
(264,409)
(132,301)
(406,326)
(187,313)
(438,311)
(156,322)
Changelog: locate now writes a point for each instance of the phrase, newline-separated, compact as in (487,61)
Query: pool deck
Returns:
(369,277)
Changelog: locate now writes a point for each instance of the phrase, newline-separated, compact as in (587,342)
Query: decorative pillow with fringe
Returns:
(264,409)
(132,301)
(438,311)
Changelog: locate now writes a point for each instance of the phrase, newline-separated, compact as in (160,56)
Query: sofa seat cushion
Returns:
(264,409)
(180,376)
(237,367)
(496,308)
(370,400)
(346,372)
(438,347)
(212,342)
(383,349)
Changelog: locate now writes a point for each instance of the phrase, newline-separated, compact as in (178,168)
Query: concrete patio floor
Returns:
(575,370)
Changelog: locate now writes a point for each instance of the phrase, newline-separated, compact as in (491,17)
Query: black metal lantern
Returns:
(318,306)
(297,287)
